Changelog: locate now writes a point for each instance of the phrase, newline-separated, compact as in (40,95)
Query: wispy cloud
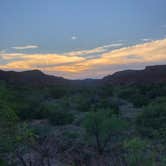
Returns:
(3,51)
(74,37)
(74,65)
(146,40)
(96,50)
(25,47)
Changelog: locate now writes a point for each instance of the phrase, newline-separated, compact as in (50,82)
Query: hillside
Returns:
(47,120)
(31,77)
(151,74)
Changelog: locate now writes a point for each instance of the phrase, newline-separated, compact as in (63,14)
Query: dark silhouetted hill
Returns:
(150,75)
(31,77)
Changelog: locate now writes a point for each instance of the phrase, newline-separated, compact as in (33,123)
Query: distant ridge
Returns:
(31,77)
(149,75)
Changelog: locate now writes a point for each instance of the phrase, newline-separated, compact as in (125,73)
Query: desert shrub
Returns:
(81,102)
(60,117)
(153,91)
(8,123)
(42,130)
(139,100)
(27,103)
(71,134)
(25,110)
(44,110)
(106,91)
(102,127)
(138,153)
(163,161)
(141,95)
(87,103)
(134,95)
(55,112)
(107,103)
(126,92)
(58,92)
(152,121)
(2,162)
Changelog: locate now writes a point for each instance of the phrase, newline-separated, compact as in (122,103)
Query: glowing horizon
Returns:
(74,40)
(77,64)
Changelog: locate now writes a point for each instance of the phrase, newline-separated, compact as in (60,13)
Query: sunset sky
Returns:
(82,38)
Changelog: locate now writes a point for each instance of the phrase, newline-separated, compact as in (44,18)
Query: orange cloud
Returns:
(73,65)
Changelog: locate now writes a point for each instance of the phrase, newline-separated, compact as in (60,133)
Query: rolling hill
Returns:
(149,75)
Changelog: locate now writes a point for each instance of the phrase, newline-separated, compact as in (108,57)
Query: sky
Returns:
(80,39)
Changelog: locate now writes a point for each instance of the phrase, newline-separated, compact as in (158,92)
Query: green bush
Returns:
(60,117)
(139,100)
(134,95)
(81,102)
(58,92)
(138,153)
(152,121)
(102,127)
(2,162)
(109,104)
(55,112)
(8,123)
(141,95)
